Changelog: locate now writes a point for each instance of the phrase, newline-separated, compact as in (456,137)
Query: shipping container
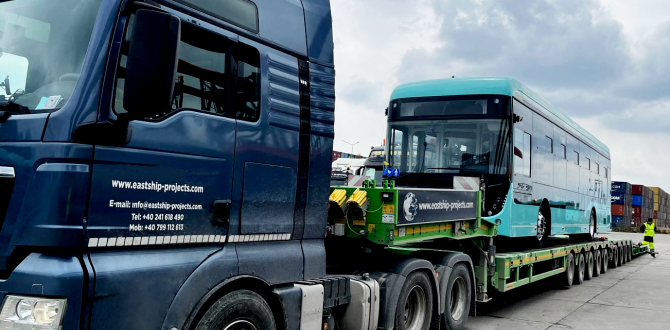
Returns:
(621,187)
(618,221)
(638,189)
(618,198)
(617,209)
(638,200)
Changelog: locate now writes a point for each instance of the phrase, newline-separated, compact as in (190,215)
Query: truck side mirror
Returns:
(151,65)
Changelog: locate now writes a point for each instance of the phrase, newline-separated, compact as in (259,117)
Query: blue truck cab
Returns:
(155,155)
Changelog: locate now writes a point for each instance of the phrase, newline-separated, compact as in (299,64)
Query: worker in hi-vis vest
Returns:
(649,229)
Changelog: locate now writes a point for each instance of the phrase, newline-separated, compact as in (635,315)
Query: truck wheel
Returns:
(415,305)
(622,256)
(597,262)
(459,295)
(588,274)
(606,261)
(630,253)
(580,269)
(614,262)
(569,270)
(238,310)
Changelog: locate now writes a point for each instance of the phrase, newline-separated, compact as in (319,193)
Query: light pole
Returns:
(352,150)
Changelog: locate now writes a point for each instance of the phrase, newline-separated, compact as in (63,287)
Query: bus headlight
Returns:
(20,312)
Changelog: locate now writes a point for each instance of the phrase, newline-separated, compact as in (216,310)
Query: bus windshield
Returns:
(470,139)
(42,49)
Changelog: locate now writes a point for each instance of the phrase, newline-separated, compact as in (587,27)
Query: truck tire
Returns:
(597,263)
(238,310)
(580,269)
(622,256)
(415,304)
(588,274)
(606,261)
(569,270)
(629,255)
(458,299)
(614,261)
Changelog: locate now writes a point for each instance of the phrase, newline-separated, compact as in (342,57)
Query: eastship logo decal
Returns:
(409,206)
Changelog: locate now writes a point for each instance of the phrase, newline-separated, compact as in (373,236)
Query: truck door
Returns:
(171,182)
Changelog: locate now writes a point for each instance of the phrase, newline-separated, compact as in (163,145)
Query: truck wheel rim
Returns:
(581,267)
(415,309)
(457,299)
(541,224)
(240,325)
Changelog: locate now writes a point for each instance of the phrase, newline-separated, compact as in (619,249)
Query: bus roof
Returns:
(497,86)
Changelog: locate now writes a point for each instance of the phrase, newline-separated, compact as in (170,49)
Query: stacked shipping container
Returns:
(643,204)
(622,207)
(661,208)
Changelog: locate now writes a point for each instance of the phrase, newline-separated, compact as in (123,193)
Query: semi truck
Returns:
(165,165)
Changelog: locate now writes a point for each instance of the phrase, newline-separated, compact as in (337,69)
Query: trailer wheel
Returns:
(597,263)
(569,270)
(615,258)
(459,296)
(622,256)
(238,310)
(606,261)
(588,274)
(580,269)
(415,305)
(630,253)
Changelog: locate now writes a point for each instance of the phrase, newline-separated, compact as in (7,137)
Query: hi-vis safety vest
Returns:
(649,229)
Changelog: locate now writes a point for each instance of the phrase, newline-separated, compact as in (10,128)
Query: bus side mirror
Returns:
(152,63)
(518,153)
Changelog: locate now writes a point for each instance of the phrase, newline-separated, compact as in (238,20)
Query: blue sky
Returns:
(604,63)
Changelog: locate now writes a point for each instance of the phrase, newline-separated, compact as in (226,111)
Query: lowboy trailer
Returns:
(435,258)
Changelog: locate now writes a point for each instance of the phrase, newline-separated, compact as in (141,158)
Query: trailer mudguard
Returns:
(391,284)
(222,264)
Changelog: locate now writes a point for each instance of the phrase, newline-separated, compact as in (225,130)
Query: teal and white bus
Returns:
(543,174)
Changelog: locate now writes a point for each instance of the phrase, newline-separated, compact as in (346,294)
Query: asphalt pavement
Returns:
(633,296)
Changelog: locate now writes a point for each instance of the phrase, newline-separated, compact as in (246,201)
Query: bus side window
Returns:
(576,159)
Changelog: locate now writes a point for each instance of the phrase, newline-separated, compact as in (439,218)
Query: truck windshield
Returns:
(464,137)
(42,49)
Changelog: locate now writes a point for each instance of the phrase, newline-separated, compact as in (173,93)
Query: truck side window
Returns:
(248,100)
(202,77)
